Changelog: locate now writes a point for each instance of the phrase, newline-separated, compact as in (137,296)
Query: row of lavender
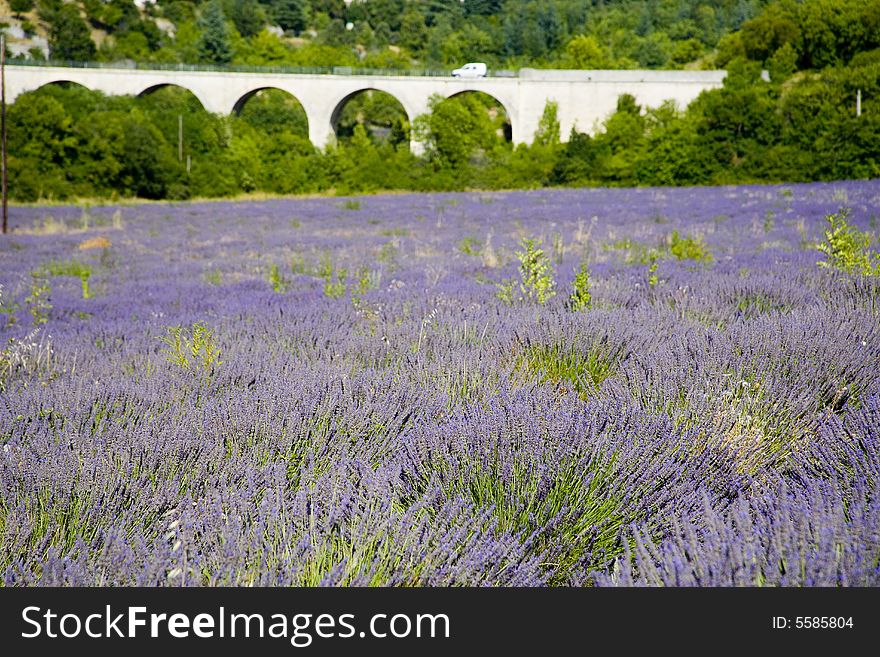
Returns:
(333,391)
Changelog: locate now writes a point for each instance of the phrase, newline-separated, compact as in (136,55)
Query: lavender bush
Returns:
(331,392)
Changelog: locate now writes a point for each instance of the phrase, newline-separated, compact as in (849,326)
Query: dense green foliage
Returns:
(67,141)
(783,35)
(214,44)
(69,36)
(799,125)
(406,33)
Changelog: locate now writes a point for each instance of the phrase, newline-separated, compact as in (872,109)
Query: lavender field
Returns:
(373,391)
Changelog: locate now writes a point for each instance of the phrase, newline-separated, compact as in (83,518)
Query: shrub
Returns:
(280,283)
(653,277)
(469,246)
(191,348)
(367,279)
(536,272)
(689,248)
(38,301)
(335,284)
(846,247)
(580,296)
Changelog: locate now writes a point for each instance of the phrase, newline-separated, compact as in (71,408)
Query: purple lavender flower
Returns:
(288,392)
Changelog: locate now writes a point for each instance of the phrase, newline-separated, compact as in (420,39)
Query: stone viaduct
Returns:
(585,98)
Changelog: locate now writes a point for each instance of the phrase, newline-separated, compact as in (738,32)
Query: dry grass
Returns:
(95,243)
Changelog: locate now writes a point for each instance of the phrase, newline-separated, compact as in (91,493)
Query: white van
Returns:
(472,70)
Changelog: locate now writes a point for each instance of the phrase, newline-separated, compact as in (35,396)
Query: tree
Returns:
(384,11)
(273,112)
(333,8)
(687,51)
(456,129)
(707,24)
(21,6)
(768,32)
(266,48)
(729,47)
(69,36)
(835,30)
(290,15)
(439,34)
(126,45)
(214,45)
(336,34)
(739,121)
(653,51)
(100,152)
(248,16)
(112,15)
(576,161)
(534,40)
(618,147)
(782,63)
(400,133)
(547,133)
(550,25)
(41,129)
(382,34)
(148,163)
(585,52)
(376,111)
(673,155)
(483,7)
(513,35)
(413,31)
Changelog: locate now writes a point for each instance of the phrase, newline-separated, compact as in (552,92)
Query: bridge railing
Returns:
(241,68)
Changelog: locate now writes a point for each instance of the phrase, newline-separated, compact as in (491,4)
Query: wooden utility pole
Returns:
(180,137)
(5,182)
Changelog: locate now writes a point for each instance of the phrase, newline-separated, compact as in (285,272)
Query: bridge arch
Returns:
(64,84)
(274,107)
(380,108)
(171,85)
(506,120)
